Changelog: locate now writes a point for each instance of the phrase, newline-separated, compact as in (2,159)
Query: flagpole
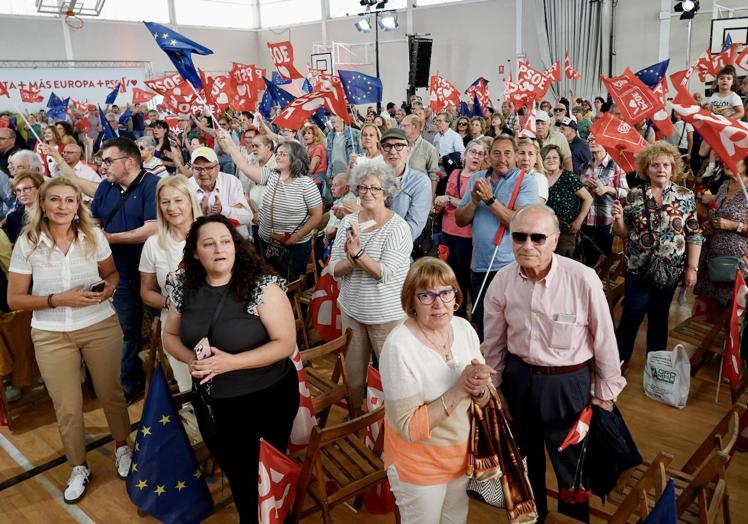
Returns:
(485,278)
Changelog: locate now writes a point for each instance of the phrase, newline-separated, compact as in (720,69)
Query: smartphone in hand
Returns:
(98,287)
(202,349)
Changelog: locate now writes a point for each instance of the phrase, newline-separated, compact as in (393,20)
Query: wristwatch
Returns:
(490,201)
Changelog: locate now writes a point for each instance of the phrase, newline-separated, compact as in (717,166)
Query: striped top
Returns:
(413,375)
(361,297)
(290,210)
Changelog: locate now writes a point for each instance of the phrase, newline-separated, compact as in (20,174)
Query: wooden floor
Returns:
(35,441)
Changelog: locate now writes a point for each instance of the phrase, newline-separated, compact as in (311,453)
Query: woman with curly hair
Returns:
(227,294)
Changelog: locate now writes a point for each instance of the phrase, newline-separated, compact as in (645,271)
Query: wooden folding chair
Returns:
(328,387)
(294,291)
(337,456)
(708,337)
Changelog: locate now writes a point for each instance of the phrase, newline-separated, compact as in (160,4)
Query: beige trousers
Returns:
(59,357)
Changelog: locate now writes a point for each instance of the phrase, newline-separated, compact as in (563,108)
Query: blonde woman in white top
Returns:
(176,209)
(370,138)
(66,262)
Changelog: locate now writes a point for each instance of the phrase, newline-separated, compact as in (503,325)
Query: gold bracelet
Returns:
(444,405)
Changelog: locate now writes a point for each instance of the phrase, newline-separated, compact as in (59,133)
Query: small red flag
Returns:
(282,54)
(661,119)
(31,95)
(733,364)
(141,96)
(442,94)
(619,139)
(295,114)
(578,433)
(379,500)
(553,73)
(164,84)
(324,309)
(632,96)
(305,417)
(276,487)
(529,129)
(571,73)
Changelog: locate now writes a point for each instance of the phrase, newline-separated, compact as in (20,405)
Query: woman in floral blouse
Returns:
(659,220)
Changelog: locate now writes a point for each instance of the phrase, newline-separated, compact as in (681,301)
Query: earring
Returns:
(76,218)
(456,306)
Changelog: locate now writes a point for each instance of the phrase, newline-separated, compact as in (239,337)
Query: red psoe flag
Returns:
(282,54)
(245,85)
(220,92)
(141,96)
(323,307)
(619,139)
(31,95)
(741,60)
(277,479)
(531,82)
(305,420)
(733,364)
(553,73)
(442,94)
(632,97)
(570,72)
(578,433)
(301,109)
(164,84)
(661,119)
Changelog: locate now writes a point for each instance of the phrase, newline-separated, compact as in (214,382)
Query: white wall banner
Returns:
(87,85)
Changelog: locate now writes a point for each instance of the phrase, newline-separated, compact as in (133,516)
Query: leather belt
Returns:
(559,370)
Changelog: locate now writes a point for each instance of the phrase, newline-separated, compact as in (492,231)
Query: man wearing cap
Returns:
(412,201)
(580,151)
(546,135)
(219,193)
(125,207)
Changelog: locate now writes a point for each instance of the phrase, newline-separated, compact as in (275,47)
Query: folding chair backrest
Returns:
(328,390)
(294,291)
(645,492)
(722,437)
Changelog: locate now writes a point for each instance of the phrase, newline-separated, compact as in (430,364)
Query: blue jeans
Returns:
(638,301)
(129,309)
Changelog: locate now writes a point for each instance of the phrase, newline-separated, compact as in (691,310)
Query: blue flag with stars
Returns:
(727,43)
(165,480)
(465,109)
(124,117)
(54,100)
(306,86)
(653,74)
(106,126)
(280,96)
(279,80)
(59,109)
(111,97)
(477,109)
(360,88)
(266,104)
(179,49)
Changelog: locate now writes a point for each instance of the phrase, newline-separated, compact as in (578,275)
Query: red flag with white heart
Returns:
(661,119)
(282,54)
(619,139)
(733,363)
(578,433)
(278,476)
(529,129)
(323,307)
(633,98)
(141,96)
(31,95)
(301,109)
(220,92)
(164,84)
(531,82)
(305,420)
(442,94)
(570,72)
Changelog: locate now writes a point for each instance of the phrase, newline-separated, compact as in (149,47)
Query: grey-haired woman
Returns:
(370,258)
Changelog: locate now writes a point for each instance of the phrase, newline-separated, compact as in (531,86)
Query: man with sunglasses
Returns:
(548,329)
(546,135)
(412,200)
(485,207)
(125,207)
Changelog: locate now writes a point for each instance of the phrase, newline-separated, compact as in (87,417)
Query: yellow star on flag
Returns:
(142,484)
(159,489)
(173,42)
(198,473)
(134,467)
(180,485)
(146,430)
(165,36)
(137,446)
(164,419)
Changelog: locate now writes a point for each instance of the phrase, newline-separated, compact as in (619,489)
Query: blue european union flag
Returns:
(280,96)
(54,100)
(106,126)
(124,117)
(266,104)
(480,81)
(306,86)
(665,510)
(279,80)
(360,88)
(477,109)
(111,97)
(653,74)
(59,110)
(464,109)
(727,43)
(165,480)
(179,49)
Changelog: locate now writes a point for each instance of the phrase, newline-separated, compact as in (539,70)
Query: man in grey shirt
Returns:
(423,156)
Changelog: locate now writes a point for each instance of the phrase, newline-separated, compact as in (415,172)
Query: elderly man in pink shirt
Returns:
(548,332)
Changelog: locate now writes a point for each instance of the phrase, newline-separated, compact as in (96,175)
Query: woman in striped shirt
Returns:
(370,258)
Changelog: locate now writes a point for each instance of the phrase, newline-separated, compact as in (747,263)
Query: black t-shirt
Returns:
(235,331)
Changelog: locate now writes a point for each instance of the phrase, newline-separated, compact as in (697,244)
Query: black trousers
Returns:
(476,279)
(460,255)
(596,242)
(241,422)
(544,408)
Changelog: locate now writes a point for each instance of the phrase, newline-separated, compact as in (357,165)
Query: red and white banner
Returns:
(529,129)
(305,417)
(282,54)
(276,488)
(479,91)
(141,96)
(553,73)
(165,84)
(379,500)
(442,94)
(619,139)
(570,72)
(732,362)
(578,433)
(220,92)
(661,119)
(532,82)
(633,98)
(245,85)
(29,88)
(323,307)
(295,114)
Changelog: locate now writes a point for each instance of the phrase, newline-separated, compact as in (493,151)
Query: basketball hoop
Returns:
(73,21)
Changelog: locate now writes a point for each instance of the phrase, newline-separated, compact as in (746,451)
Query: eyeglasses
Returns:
(476,152)
(206,169)
(252,146)
(110,161)
(428,297)
(397,147)
(559,110)
(591,139)
(280,154)
(537,238)
(23,190)
(362,190)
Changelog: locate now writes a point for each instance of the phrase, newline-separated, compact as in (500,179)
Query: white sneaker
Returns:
(77,484)
(123,460)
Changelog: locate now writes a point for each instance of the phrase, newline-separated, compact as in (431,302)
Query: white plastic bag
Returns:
(667,376)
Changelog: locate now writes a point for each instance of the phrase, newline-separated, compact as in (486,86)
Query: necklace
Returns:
(443,349)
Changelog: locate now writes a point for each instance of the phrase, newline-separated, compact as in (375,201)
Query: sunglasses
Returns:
(559,110)
(536,238)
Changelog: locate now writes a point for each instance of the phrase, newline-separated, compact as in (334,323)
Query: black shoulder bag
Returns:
(122,199)
(661,273)
(201,392)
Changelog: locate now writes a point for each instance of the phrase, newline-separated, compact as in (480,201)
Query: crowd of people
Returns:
(204,227)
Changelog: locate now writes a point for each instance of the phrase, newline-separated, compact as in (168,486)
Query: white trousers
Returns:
(434,504)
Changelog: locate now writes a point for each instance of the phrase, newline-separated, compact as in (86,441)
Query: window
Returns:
(136,11)
(20,7)
(340,8)
(238,14)
(288,12)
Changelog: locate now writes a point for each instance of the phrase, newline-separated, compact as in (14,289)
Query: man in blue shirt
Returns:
(125,206)
(447,140)
(580,151)
(485,207)
(412,201)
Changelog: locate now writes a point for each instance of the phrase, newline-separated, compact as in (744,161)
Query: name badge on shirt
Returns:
(565,318)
